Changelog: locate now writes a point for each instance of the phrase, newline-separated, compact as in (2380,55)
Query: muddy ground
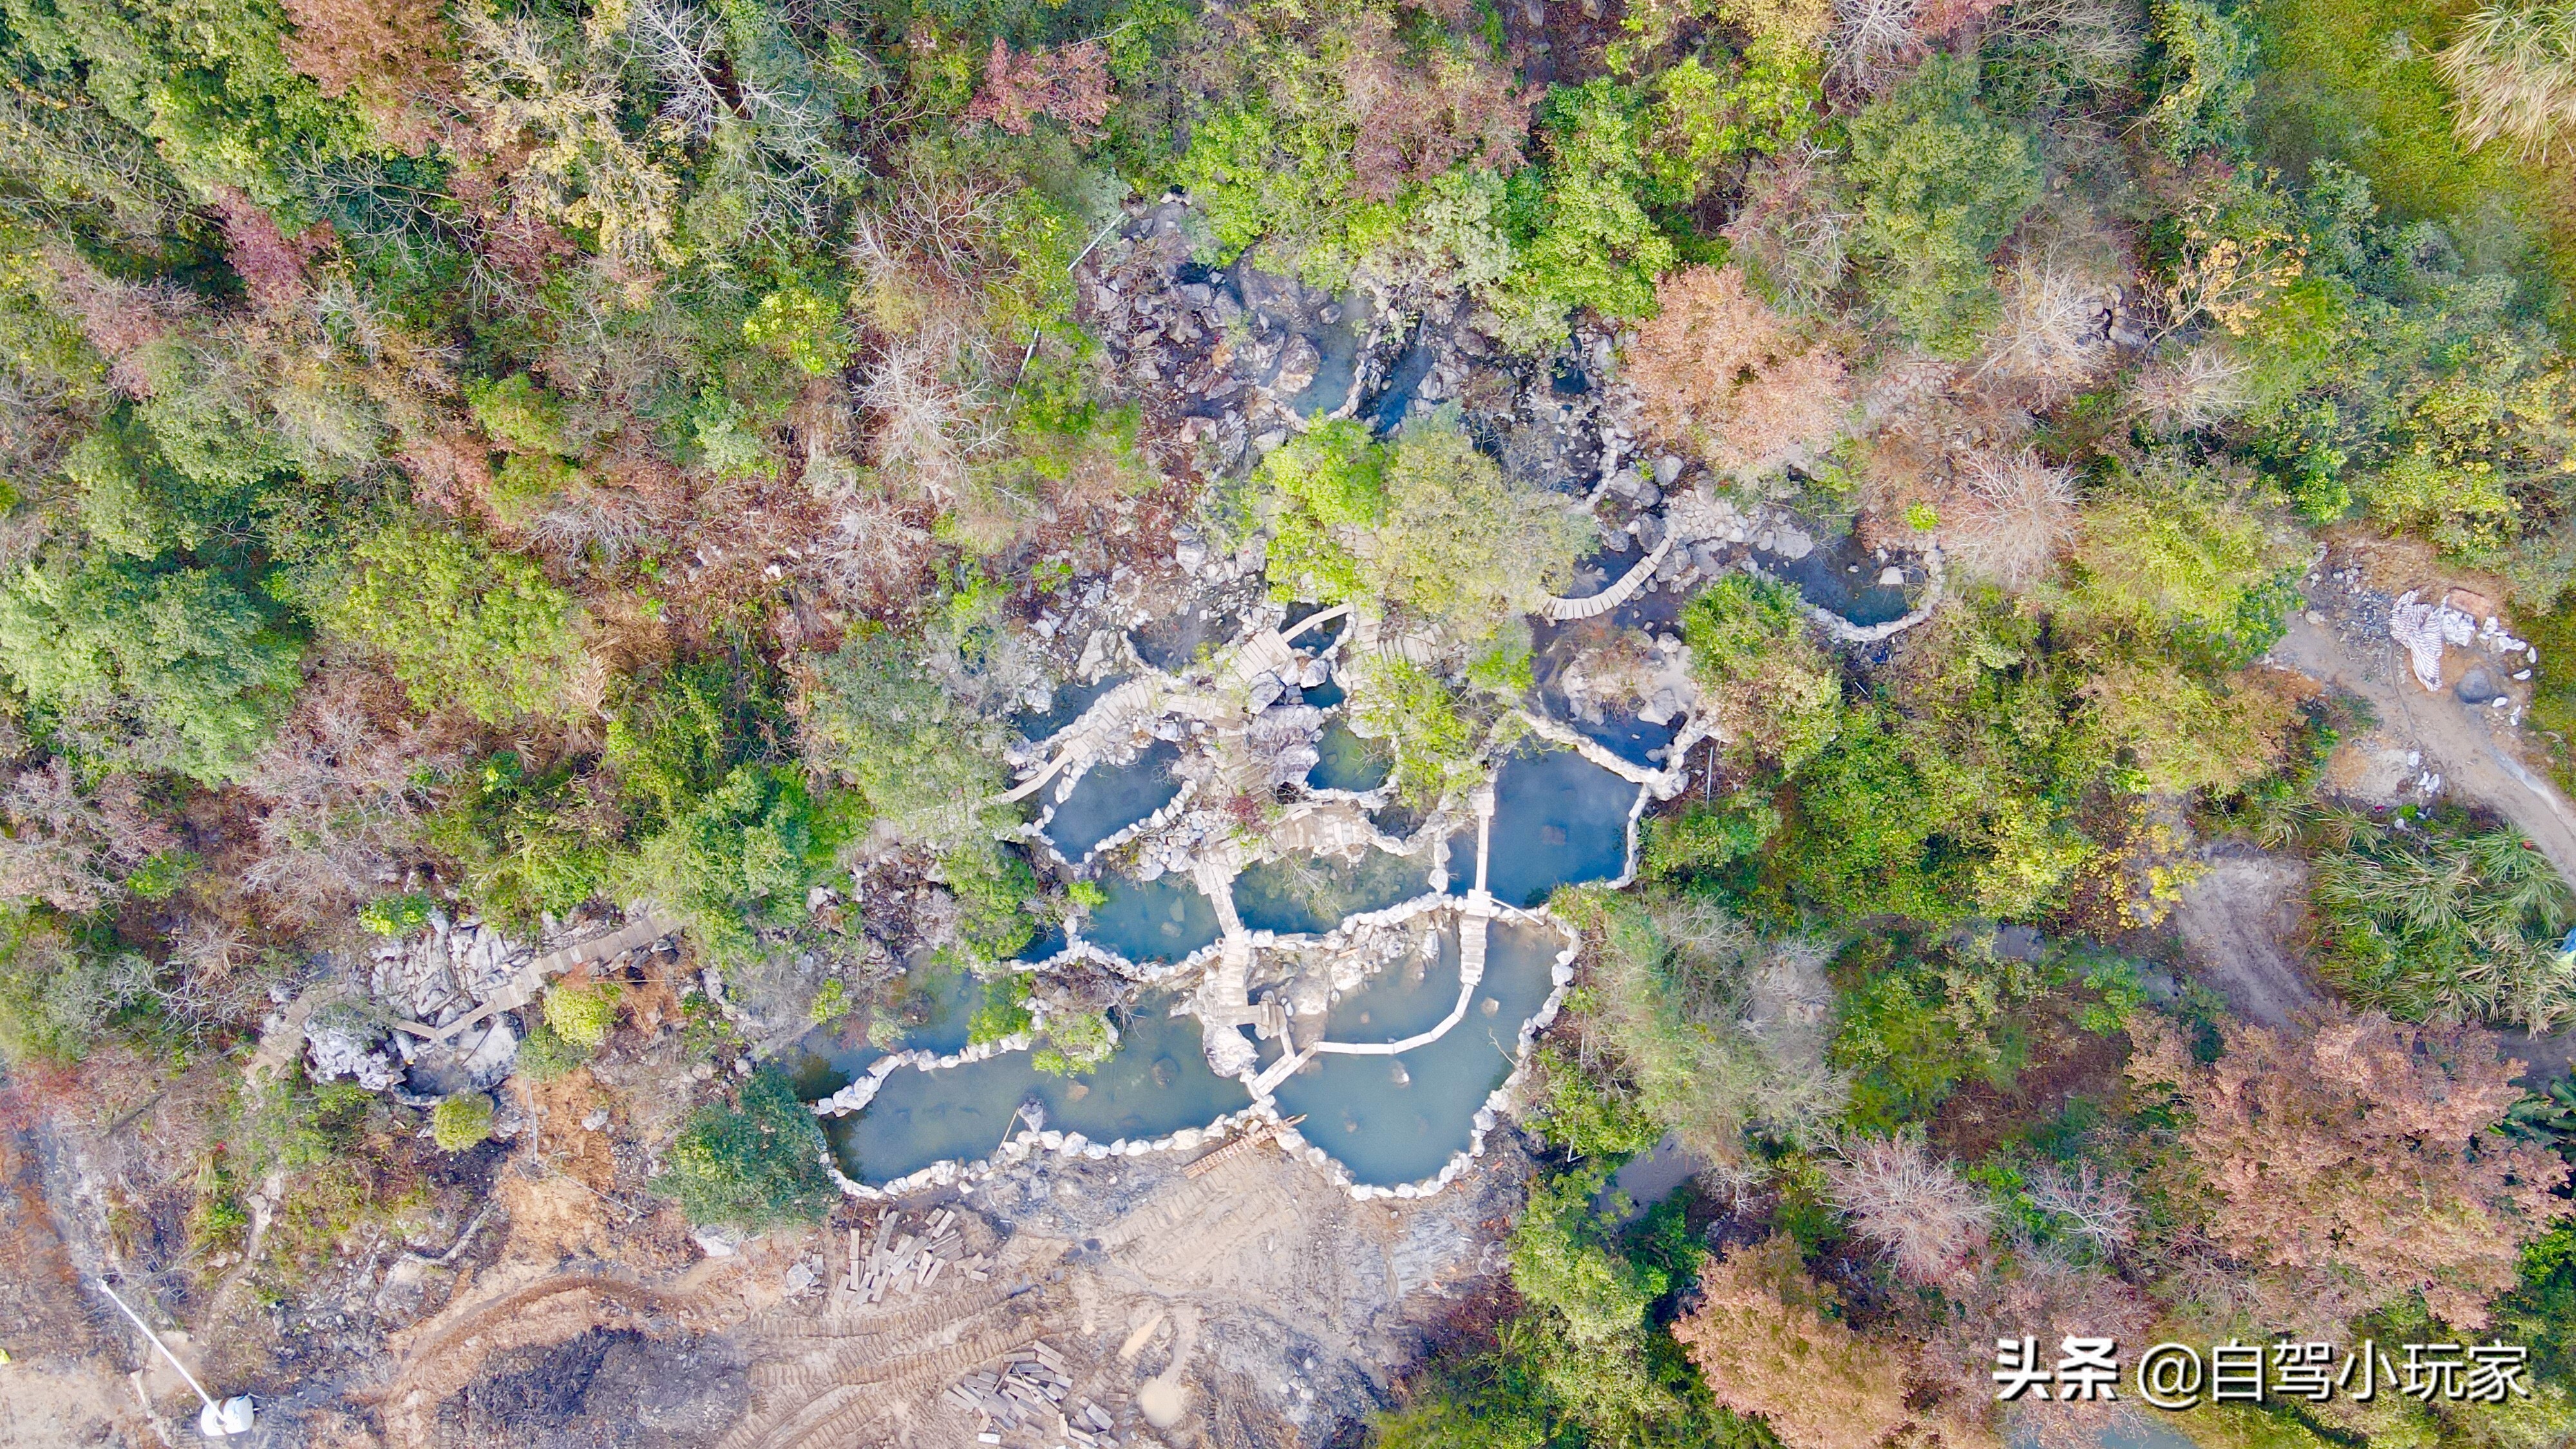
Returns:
(1252,1304)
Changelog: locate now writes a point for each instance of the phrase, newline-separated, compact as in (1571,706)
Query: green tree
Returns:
(1462,544)
(457,623)
(1941,184)
(1769,684)
(1585,239)
(156,668)
(753,1162)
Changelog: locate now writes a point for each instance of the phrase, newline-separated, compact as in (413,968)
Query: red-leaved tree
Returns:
(1068,83)
(2357,1161)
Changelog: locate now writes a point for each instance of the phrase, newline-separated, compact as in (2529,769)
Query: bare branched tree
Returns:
(2017,514)
(1794,231)
(2199,388)
(1874,43)
(2054,336)
(678,41)
(1913,1206)
(2104,1213)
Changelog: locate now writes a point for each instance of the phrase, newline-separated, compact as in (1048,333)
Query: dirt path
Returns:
(2474,755)
(2459,740)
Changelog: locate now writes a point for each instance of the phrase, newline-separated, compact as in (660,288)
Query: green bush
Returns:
(1770,687)
(996,891)
(461,1122)
(1074,1043)
(920,760)
(397,916)
(583,1015)
(457,623)
(1916,1020)
(545,1054)
(745,853)
(2206,68)
(751,1163)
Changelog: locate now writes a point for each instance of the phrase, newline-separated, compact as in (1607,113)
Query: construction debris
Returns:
(1028,1391)
(908,1262)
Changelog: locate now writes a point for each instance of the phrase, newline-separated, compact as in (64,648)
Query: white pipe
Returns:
(157,1343)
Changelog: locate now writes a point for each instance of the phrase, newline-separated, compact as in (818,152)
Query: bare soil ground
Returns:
(64,1384)
(2239,921)
(1253,1305)
(2342,641)
(2477,756)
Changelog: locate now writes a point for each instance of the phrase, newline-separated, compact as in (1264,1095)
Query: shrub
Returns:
(461,1122)
(2181,554)
(2513,66)
(1074,1042)
(1408,707)
(1912,1025)
(1586,240)
(751,1163)
(744,854)
(995,889)
(1327,480)
(1004,1012)
(2445,925)
(2207,70)
(919,759)
(582,1015)
(529,844)
(1685,1017)
(1460,543)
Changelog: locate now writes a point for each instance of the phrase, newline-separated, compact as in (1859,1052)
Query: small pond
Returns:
(1386,411)
(1408,996)
(1633,739)
(1559,819)
(1163,919)
(1648,1178)
(1399,1119)
(1842,576)
(1157,1082)
(1314,640)
(933,1007)
(1109,798)
(1179,640)
(1348,762)
(1337,349)
(1304,894)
